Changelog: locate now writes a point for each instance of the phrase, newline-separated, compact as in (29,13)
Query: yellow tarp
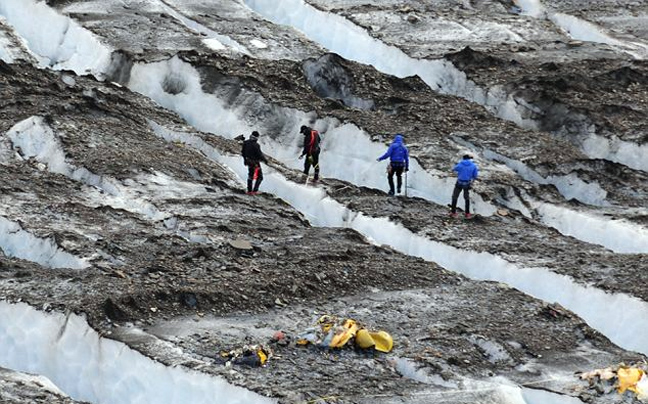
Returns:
(628,379)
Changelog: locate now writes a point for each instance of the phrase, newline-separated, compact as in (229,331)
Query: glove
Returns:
(377,159)
(406,169)
(301,156)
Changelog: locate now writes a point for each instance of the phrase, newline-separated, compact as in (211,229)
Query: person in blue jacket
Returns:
(399,162)
(467,172)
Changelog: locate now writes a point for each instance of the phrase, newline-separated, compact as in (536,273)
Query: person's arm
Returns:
(304,146)
(475,173)
(387,154)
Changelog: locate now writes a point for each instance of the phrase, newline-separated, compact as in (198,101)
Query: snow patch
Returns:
(629,154)
(580,29)
(16,242)
(58,42)
(407,368)
(494,351)
(258,44)
(214,39)
(36,139)
(531,8)
(535,396)
(214,44)
(90,368)
(569,186)
(617,235)
(6,53)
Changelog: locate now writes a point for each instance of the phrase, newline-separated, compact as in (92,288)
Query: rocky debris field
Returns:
(123,200)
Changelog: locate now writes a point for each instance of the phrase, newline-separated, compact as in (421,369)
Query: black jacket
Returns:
(251,152)
(311,143)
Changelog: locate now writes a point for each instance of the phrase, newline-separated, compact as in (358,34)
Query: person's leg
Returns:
(455,197)
(399,178)
(307,164)
(315,162)
(467,199)
(390,179)
(259,177)
(250,179)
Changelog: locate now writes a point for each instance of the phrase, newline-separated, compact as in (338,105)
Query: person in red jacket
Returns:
(310,149)
(252,158)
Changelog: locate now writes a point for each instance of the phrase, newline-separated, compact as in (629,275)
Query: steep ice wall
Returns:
(57,41)
(91,368)
(354,43)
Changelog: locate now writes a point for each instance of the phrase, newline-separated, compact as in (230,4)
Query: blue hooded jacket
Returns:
(397,152)
(466,170)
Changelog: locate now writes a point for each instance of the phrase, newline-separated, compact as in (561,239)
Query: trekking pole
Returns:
(405,184)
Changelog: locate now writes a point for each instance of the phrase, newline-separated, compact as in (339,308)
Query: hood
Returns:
(398,138)
(467,162)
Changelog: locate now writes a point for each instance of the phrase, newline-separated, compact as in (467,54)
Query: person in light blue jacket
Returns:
(467,172)
(399,161)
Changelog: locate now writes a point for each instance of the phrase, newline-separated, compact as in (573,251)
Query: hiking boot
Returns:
(452,214)
(398,191)
(468,215)
(391,192)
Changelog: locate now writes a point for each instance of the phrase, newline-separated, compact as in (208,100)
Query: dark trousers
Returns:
(255,176)
(455,196)
(312,160)
(395,168)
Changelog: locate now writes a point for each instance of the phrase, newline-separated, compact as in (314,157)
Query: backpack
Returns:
(314,142)
(398,153)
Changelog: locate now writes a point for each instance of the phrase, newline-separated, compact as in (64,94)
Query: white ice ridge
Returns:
(37,140)
(496,390)
(214,40)
(17,242)
(347,151)
(349,154)
(569,186)
(617,235)
(354,43)
(629,154)
(57,41)
(618,316)
(580,29)
(208,113)
(90,368)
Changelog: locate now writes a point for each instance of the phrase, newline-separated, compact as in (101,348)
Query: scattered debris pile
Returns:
(331,332)
(248,355)
(621,377)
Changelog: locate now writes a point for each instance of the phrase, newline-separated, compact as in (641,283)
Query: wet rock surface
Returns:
(177,262)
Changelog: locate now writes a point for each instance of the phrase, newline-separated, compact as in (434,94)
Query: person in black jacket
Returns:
(252,158)
(310,149)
